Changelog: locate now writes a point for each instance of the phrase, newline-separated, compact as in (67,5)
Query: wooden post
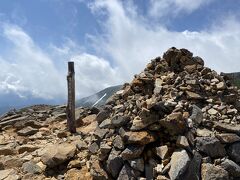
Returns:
(70,111)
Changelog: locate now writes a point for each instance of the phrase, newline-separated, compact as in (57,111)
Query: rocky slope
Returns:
(176,120)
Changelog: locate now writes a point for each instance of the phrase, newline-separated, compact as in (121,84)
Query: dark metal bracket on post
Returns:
(70,111)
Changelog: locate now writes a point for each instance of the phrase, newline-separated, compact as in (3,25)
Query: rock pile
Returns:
(176,120)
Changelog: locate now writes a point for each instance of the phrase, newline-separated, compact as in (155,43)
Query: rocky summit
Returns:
(176,120)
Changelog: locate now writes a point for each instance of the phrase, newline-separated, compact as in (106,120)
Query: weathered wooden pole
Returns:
(70,111)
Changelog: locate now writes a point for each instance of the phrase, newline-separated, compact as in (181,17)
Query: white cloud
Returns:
(94,74)
(131,41)
(28,70)
(162,8)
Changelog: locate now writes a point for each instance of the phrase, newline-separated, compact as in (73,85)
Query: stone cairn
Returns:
(176,120)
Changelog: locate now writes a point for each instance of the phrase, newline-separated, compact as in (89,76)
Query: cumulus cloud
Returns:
(94,73)
(131,41)
(29,71)
(162,8)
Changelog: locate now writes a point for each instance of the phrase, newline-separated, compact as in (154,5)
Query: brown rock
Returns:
(174,123)
(26,148)
(11,162)
(58,154)
(228,138)
(97,171)
(89,119)
(210,172)
(75,174)
(76,163)
(193,95)
(7,150)
(139,137)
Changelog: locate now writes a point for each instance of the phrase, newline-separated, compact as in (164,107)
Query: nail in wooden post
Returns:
(70,111)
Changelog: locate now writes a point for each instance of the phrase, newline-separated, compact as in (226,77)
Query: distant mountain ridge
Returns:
(99,98)
(234,78)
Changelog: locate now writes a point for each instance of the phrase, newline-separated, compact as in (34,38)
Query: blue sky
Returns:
(109,41)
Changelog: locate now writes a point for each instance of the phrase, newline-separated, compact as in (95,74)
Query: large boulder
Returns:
(57,154)
(179,163)
(211,146)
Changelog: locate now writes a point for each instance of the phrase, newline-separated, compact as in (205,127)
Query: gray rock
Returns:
(33,124)
(114,163)
(27,131)
(137,164)
(212,111)
(31,167)
(158,86)
(100,133)
(162,107)
(104,151)
(118,142)
(105,148)
(102,115)
(93,148)
(106,123)
(127,173)
(197,115)
(179,163)
(132,152)
(211,172)
(118,121)
(194,168)
(145,118)
(81,145)
(227,128)
(211,146)
(232,168)
(234,151)
(149,171)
